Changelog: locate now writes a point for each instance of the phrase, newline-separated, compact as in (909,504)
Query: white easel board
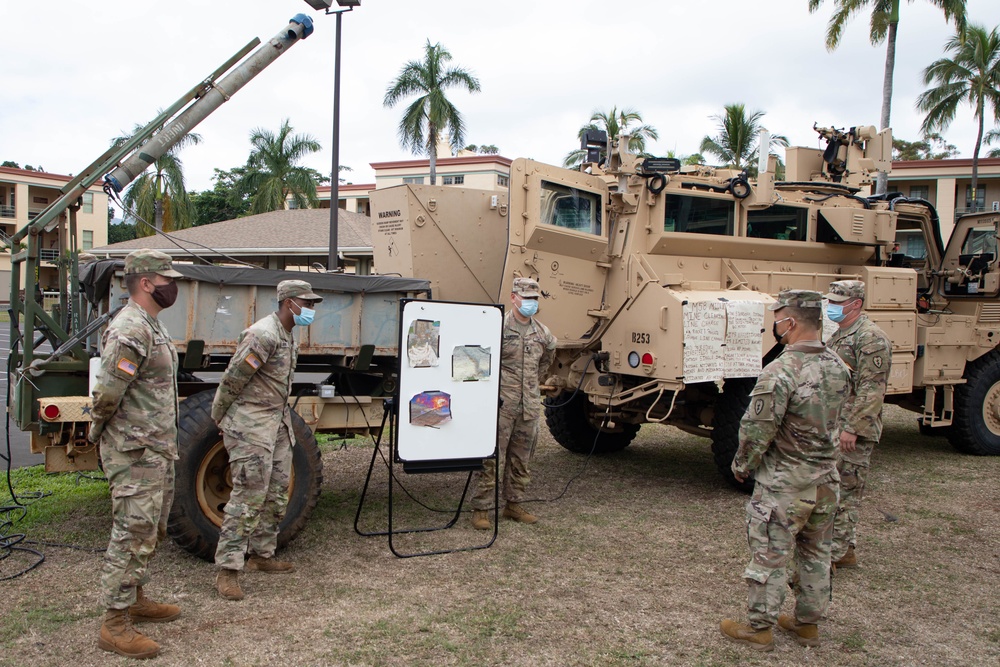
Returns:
(449,380)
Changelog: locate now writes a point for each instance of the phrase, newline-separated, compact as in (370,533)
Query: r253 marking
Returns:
(642,338)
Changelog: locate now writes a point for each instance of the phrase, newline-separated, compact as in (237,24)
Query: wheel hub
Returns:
(991,409)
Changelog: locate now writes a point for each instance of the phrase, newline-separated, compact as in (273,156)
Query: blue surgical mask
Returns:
(304,317)
(528,307)
(835,312)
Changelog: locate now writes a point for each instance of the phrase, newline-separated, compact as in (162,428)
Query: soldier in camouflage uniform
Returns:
(788,443)
(526,351)
(866,349)
(134,418)
(251,409)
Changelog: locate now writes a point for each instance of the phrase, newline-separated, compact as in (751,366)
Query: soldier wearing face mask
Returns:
(526,352)
(134,420)
(251,409)
(866,349)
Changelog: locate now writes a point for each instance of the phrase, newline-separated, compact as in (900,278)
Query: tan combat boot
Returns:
(228,584)
(481,520)
(850,559)
(118,636)
(742,633)
(269,565)
(518,513)
(147,611)
(806,634)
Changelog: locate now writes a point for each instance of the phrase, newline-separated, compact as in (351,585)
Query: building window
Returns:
(979,202)
(453,180)
(88,202)
(413,180)
(502,181)
(920,191)
(88,239)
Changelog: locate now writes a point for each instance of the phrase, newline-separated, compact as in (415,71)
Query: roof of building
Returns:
(443,162)
(290,232)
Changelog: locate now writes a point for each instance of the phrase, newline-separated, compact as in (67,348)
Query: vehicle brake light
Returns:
(51,411)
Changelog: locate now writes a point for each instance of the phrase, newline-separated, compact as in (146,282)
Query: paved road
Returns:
(20,446)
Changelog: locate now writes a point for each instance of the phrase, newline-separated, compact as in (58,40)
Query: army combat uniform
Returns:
(134,418)
(787,441)
(526,351)
(866,349)
(251,408)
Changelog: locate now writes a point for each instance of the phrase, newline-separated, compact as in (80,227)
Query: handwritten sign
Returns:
(722,339)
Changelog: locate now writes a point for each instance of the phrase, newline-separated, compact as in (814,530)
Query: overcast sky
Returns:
(75,74)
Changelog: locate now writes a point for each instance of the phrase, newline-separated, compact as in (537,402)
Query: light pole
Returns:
(333,259)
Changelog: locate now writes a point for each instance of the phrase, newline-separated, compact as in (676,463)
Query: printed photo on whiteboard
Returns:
(470,363)
(423,343)
(430,408)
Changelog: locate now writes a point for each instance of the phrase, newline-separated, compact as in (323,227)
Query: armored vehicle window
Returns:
(787,223)
(698,215)
(980,240)
(570,208)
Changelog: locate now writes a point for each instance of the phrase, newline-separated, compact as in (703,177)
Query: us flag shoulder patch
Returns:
(127,366)
(253,361)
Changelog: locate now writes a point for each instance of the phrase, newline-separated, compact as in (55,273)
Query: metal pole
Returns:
(333,260)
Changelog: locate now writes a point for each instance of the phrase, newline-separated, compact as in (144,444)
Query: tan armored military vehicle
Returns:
(656,278)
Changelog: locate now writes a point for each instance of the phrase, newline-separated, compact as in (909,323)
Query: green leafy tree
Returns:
(432,113)
(932,147)
(272,176)
(222,202)
(736,143)
(123,231)
(615,122)
(485,149)
(884,24)
(158,195)
(992,137)
(969,74)
(12,165)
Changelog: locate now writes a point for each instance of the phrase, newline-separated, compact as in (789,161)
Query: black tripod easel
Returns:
(389,417)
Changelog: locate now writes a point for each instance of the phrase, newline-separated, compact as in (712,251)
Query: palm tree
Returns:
(427,116)
(884,22)
(615,123)
(736,144)
(992,137)
(271,173)
(159,195)
(971,75)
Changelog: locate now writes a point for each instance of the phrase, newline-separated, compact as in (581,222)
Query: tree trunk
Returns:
(975,153)
(432,150)
(882,181)
(158,214)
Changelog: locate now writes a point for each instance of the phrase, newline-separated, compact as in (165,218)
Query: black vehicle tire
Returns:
(729,411)
(976,427)
(202,484)
(571,422)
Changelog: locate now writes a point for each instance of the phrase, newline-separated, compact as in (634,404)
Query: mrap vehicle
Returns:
(656,277)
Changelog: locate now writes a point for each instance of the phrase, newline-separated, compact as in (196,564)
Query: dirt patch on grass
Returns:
(635,565)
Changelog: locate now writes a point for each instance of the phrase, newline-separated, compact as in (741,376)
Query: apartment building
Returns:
(23,195)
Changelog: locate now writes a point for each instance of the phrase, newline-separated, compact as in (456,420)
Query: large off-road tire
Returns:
(203,483)
(976,427)
(576,425)
(729,409)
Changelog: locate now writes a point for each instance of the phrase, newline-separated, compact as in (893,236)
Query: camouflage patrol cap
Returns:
(845,290)
(297,289)
(526,287)
(150,261)
(797,298)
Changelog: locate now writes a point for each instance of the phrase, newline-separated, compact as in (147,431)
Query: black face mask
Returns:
(774,331)
(165,295)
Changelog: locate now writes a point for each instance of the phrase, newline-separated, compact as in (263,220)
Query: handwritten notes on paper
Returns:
(722,339)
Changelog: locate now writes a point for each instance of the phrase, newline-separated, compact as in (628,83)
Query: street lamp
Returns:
(333,260)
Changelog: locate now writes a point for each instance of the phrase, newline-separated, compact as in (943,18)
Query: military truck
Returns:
(656,277)
(346,363)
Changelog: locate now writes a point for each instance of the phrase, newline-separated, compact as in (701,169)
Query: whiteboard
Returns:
(449,380)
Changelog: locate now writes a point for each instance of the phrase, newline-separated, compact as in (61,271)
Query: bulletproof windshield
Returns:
(698,215)
(571,208)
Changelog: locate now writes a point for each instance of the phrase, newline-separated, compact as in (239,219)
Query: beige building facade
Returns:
(23,196)
(947,184)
